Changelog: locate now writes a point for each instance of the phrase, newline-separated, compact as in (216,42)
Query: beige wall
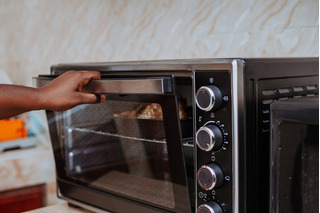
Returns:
(35,34)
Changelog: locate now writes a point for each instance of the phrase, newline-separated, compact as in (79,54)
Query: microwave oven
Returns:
(174,135)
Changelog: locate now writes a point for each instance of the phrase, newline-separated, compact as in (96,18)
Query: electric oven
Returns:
(174,135)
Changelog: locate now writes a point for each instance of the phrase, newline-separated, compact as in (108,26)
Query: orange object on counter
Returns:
(11,129)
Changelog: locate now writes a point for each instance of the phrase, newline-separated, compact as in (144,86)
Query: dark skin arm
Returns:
(62,93)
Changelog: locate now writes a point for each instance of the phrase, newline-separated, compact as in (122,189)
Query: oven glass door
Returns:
(130,146)
(299,177)
(294,178)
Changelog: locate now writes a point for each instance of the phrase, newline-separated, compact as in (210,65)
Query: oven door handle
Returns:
(154,85)
(161,85)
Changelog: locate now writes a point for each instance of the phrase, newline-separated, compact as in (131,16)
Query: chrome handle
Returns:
(130,86)
(38,82)
(161,85)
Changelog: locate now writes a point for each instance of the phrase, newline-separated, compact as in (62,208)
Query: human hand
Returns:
(64,92)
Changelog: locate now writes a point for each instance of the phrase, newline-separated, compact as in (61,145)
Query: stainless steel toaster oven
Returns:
(174,135)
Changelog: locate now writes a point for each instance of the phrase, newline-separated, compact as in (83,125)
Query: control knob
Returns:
(209,137)
(210,207)
(210,176)
(208,98)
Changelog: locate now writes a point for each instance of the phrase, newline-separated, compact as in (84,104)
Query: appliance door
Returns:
(295,156)
(129,147)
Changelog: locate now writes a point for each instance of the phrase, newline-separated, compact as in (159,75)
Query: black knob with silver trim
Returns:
(210,207)
(209,137)
(210,176)
(208,98)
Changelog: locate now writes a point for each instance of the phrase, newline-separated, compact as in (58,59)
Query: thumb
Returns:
(88,98)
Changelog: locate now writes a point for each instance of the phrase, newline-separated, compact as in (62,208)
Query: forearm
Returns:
(62,93)
(15,100)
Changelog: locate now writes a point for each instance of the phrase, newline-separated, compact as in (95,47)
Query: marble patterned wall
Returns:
(35,34)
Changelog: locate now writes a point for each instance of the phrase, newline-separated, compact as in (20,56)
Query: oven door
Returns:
(294,168)
(124,155)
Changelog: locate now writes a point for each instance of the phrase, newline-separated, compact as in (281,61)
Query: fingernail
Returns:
(98,98)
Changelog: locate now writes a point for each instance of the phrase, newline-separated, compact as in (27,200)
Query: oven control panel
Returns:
(213,137)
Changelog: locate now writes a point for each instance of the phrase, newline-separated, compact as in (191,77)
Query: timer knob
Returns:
(209,137)
(208,98)
(210,207)
(210,176)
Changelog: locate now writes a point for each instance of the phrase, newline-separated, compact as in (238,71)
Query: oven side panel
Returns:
(267,80)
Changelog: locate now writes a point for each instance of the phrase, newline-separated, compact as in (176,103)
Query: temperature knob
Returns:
(210,176)
(208,98)
(210,207)
(209,137)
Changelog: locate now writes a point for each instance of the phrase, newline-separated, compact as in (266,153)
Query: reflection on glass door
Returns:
(118,147)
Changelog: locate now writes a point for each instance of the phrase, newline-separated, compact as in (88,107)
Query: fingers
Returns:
(98,98)
(102,99)
(87,75)
(83,77)
(90,98)
(87,98)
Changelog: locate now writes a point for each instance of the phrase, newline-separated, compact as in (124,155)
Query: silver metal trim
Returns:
(162,85)
(212,98)
(212,138)
(237,89)
(128,86)
(235,155)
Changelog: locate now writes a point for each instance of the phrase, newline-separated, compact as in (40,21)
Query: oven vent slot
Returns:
(267,96)
(298,89)
(284,90)
(312,87)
